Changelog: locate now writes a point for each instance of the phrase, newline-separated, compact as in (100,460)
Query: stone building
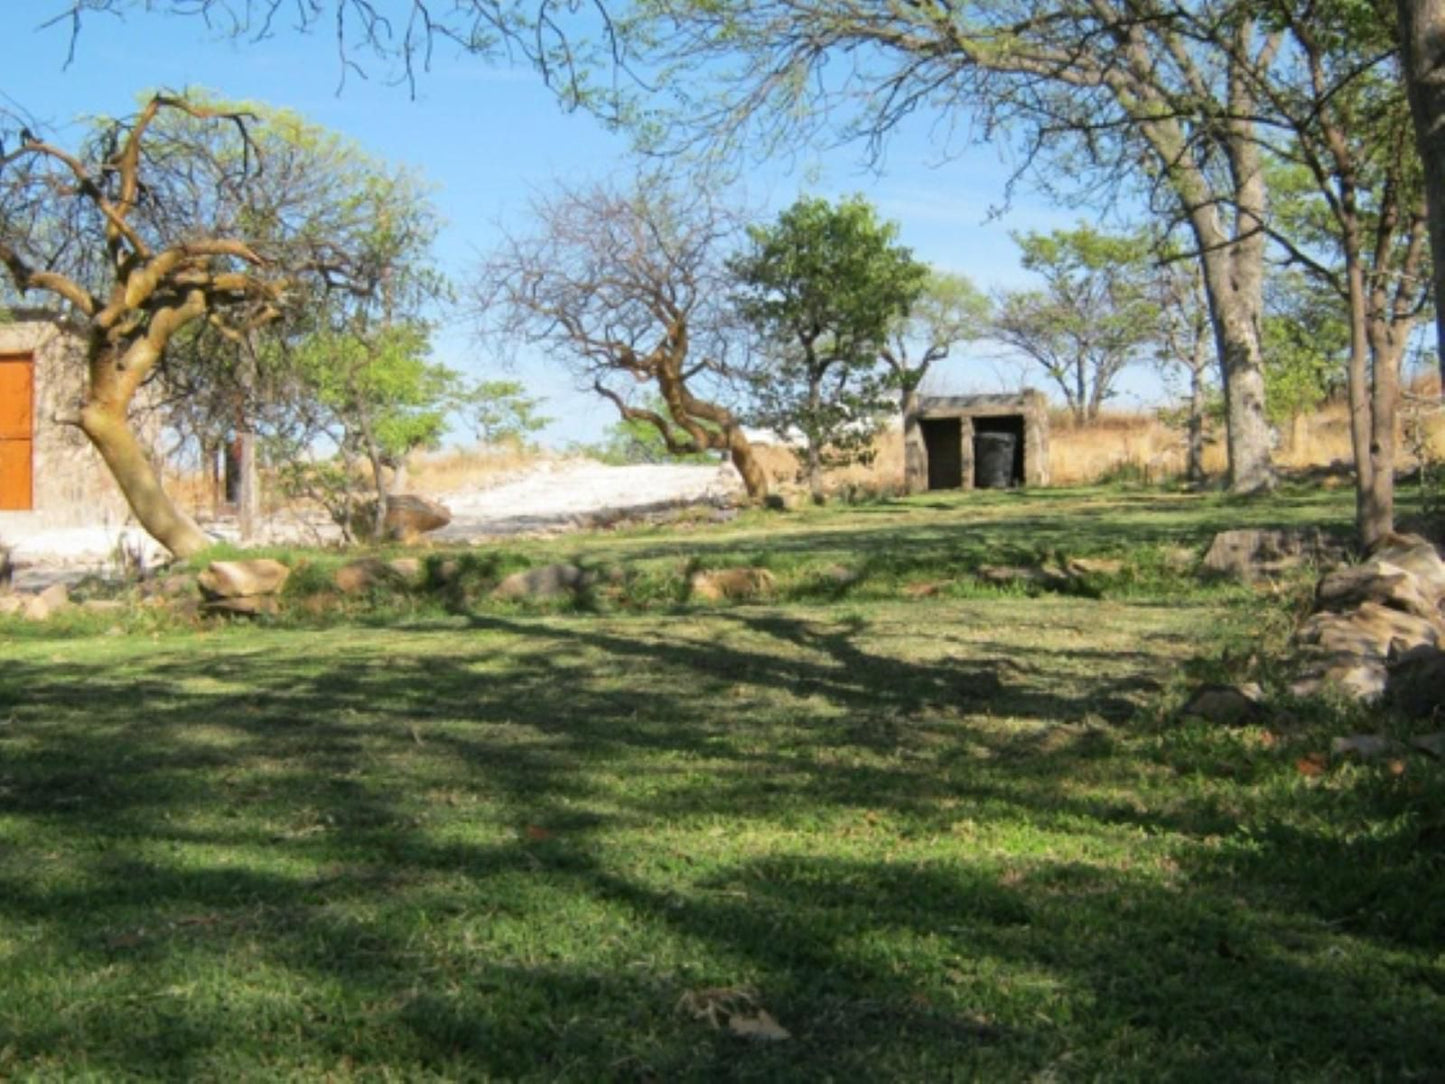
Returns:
(50,476)
(983,441)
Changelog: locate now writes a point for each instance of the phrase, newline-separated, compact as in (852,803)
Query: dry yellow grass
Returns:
(469,468)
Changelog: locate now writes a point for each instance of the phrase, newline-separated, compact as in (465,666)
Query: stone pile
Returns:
(1377,628)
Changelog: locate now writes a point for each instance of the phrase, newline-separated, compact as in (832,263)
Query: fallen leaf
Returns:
(1311,764)
(761,1026)
(537,832)
(1396,767)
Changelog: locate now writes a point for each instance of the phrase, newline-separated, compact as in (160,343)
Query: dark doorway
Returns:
(992,435)
(943,437)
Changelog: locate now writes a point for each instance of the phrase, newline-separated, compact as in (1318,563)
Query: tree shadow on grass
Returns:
(466,863)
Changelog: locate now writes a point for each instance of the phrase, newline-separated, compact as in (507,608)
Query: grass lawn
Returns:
(952,836)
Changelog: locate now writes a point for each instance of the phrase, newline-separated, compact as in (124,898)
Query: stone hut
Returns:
(50,476)
(982,442)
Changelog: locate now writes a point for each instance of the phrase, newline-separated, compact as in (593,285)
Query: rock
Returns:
(12,604)
(1377,581)
(722,515)
(102,605)
(408,516)
(1415,555)
(1365,746)
(549,581)
(1361,679)
(368,572)
(785,501)
(731,583)
(1093,566)
(243,579)
(1248,554)
(1371,631)
(1225,705)
(406,568)
(1416,683)
(56,596)
(842,575)
(243,605)
(1432,745)
(1048,576)
(43,606)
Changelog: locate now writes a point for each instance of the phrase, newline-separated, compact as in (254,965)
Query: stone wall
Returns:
(72,486)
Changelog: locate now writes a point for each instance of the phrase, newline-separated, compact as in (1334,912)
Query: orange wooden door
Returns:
(17,433)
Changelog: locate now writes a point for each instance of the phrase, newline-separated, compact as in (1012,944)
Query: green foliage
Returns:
(502,412)
(1096,314)
(948,311)
(823,288)
(934,837)
(1306,344)
(631,440)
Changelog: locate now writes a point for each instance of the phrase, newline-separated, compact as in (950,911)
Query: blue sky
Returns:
(487,136)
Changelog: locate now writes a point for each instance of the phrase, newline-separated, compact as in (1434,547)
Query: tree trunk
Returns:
(814,460)
(248,500)
(915,452)
(1422,34)
(1194,470)
(1235,315)
(1367,491)
(131,467)
(745,459)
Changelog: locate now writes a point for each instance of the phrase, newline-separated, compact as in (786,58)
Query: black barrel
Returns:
(993,457)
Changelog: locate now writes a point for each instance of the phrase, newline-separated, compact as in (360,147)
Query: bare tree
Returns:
(166,220)
(628,289)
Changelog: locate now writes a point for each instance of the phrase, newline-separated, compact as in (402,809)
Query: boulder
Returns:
(102,605)
(1370,631)
(1417,556)
(1093,566)
(1376,581)
(1416,682)
(368,572)
(244,605)
(408,516)
(243,579)
(1358,678)
(12,604)
(1432,745)
(731,583)
(1250,553)
(1225,705)
(1365,747)
(549,581)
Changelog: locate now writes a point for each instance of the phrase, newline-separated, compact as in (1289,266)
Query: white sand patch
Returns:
(554,496)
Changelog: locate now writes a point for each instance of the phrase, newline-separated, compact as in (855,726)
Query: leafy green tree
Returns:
(374,395)
(823,288)
(1350,210)
(1094,316)
(502,412)
(949,311)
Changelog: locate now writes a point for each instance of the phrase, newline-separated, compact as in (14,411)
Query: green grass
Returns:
(956,837)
